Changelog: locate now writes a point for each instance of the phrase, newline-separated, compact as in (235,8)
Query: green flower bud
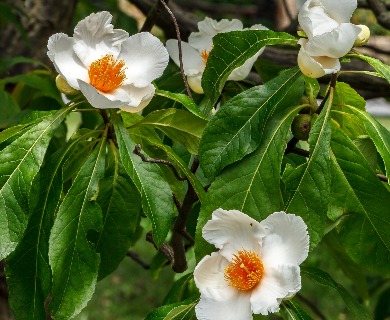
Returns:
(363,36)
(64,86)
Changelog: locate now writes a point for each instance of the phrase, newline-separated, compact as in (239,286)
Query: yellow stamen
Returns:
(107,73)
(245,270)
(205,55)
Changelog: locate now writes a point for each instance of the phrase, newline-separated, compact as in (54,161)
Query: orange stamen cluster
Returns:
(107,73)
(205,56)
(245,270)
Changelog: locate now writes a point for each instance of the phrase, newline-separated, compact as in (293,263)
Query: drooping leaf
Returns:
(383,69)
(182,310)
(324,279)
(179,125)
(251,185)
(238,127)
(121,206)
(19,163)
(72,256)
(365,201)
(28,271)
(292,311)
(309,183)
(183,99)
(156,195)
(230,51)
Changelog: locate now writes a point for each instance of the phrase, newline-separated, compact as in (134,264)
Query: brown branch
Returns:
(364,5)
(180,49)
(221,8)
(137,151)
(133,255)
(382,177)
(380,10)
(106,119)
(292,148)
(153,13)
(165,248)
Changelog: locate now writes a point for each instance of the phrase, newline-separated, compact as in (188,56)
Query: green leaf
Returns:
(121,207)
(19,163)
(7,63)
(28,271)
(230,51)
(175,294)
(238,127)
(365,200)
(251,185)
(323,278)
(179,125)
(383,69)
(292,311)
(72,255)
(8,108)
(267,69)
(312,87)
(309,183)
(185,100)
(156,195)
(182,310)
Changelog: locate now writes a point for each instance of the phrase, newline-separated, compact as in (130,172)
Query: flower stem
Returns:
(332,85)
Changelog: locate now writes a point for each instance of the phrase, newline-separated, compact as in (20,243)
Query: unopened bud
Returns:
(64,86)
(363,36)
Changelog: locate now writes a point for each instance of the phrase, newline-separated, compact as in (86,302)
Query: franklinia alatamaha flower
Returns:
(330,35)
(257,264)
(110,68)
(197,50)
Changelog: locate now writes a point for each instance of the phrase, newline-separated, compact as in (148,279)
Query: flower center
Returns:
(245,270)
(107,73)
(205,55)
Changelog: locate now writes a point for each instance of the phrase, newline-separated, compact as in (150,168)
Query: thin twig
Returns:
(292,148)
(106,119)
(180,49)
(137,151)
(333,81)
(154,12)
(133,255)
(382,177)
(165,248)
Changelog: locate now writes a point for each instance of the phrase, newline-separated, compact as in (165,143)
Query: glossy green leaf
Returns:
(365,200)
(292,311)
(251,185)
(156,195)
(28,271)
(383,69)
(175,294)
(309,183)
(19,163)
(230,51)
(179,125)
(182,310)
(121,207)
(183,99)
(72,256)
(324,279)
(238,127)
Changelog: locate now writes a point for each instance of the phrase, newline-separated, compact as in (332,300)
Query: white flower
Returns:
(197,50)
(110,68)
(330,34)
(256,267)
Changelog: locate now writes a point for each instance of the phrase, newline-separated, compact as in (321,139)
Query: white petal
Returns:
(67,64)
(334,44)
(340,10)
(210,280)
(96,37)
(277,283)
(316,67)
(236,308)
(97,99)
(145,57)
(314,20)
(139,98)
(287,240)
(195,83)
(232,230)
(208,28)
(192,61)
